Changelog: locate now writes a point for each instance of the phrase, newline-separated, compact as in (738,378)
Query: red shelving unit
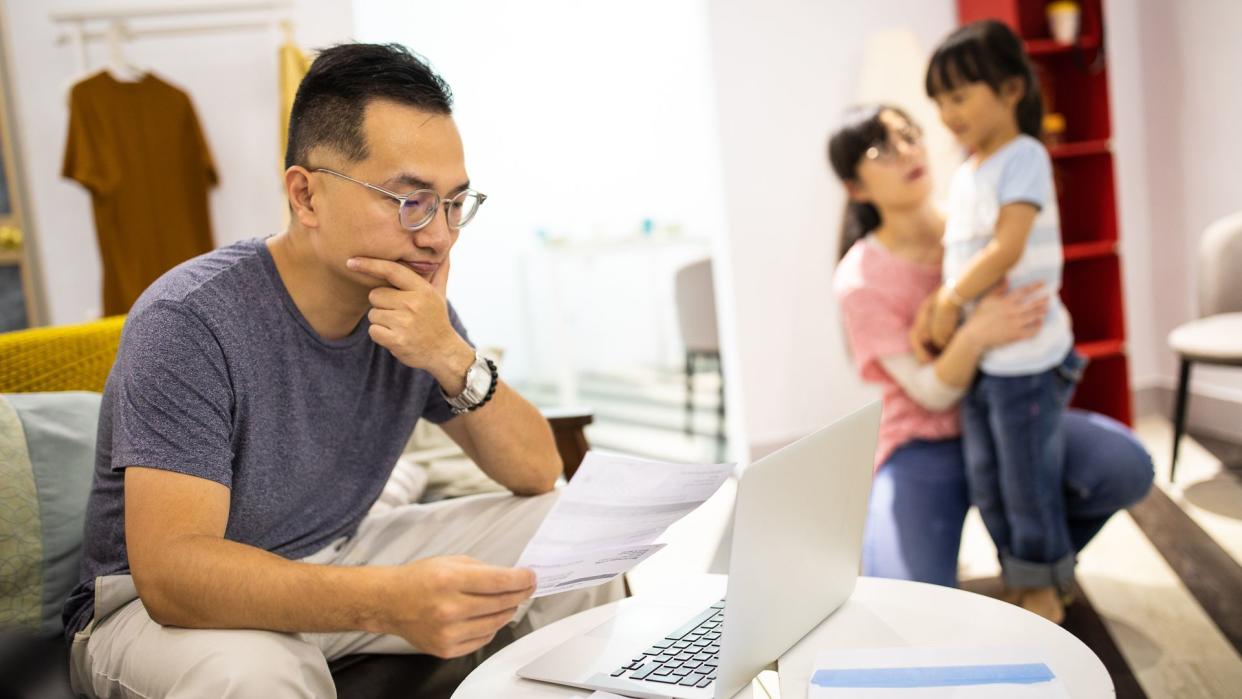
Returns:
(1063,151)
(1045,47)
(1074,80)
(1085,251)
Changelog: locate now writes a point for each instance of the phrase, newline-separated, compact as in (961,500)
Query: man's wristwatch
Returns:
(481,380)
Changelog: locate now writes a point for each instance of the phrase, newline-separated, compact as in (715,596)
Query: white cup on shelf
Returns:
(1064,21)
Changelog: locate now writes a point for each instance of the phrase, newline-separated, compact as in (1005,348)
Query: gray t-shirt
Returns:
(220,376)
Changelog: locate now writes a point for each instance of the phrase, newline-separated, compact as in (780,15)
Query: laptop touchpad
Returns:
(644,622)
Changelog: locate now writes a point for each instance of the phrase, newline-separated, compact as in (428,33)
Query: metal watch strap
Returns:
(473,396)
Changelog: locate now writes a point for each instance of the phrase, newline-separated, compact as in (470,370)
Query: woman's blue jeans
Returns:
(920,497)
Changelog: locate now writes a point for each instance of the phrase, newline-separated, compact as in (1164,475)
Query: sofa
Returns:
(50,384)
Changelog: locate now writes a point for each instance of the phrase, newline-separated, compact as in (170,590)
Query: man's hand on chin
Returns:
(409,317)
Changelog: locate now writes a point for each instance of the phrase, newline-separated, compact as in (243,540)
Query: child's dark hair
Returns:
(860,129)
(987,51)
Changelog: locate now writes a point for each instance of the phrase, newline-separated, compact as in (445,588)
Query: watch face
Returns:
(478,379)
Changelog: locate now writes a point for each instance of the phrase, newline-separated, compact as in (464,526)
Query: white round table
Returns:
(881,613)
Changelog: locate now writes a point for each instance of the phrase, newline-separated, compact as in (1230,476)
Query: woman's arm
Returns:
(1001,317)
(939,385)
(921,382)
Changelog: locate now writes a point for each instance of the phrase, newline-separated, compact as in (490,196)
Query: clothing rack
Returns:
(116,28)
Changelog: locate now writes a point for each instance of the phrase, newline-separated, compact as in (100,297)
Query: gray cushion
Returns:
(47,446)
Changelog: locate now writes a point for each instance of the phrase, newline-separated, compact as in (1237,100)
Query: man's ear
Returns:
(857,192)
(299,190)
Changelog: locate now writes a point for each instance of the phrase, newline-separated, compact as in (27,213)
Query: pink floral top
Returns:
(879,294)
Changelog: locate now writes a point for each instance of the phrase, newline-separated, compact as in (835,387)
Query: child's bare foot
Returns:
(1044,601)
(1012,595)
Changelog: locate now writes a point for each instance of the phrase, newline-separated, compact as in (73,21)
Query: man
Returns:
(260,398)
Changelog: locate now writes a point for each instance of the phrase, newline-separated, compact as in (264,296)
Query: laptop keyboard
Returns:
(686,657)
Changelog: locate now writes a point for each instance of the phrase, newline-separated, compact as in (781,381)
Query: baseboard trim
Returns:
(1207,412)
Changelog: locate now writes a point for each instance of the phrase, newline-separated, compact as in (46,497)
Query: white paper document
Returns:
(587,569)
(935,672)
(607,519)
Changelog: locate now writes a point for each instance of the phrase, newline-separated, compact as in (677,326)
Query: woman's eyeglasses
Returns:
(889,149)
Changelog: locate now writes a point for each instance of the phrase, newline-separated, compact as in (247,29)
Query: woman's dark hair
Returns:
(988,51)
(860,129)
(333,97)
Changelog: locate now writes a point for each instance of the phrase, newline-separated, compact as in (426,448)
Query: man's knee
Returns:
(133,656)
(259,663)
(542,504)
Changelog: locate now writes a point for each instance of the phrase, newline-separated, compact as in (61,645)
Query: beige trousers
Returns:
(123,653)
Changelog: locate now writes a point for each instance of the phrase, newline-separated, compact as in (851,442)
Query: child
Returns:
(1003,227)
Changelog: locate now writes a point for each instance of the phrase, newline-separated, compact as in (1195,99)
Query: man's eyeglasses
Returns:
(419,207)
(888,150)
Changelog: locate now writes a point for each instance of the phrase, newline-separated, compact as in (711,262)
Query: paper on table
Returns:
(608,517)
(935,672)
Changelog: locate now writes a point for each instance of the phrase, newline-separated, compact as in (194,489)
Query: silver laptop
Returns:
(797,539)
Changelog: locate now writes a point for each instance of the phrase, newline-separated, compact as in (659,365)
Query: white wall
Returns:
(1176,108)
(230,78)
(784,74)
(1134,114)
(580,120)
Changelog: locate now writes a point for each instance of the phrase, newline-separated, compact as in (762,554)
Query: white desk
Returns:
(880,613)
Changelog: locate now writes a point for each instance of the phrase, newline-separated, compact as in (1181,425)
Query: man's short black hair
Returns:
(330,103)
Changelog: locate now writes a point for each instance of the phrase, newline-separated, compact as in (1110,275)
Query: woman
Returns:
(890,263)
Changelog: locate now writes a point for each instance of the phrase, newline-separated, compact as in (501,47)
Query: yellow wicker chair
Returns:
(64,358)
(60,358)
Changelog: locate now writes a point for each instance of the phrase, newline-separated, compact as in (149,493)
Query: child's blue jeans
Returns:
(920,497)
(1014,448)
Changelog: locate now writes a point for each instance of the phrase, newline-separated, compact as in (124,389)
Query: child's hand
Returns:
(920,334)
(946,313)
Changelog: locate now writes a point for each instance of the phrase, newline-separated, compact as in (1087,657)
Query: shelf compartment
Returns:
(1072,88)
(1105,388)
(1091,292)
(1028,18)
(1086,198)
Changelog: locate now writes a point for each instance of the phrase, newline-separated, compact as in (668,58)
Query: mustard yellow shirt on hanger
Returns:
(139,150)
